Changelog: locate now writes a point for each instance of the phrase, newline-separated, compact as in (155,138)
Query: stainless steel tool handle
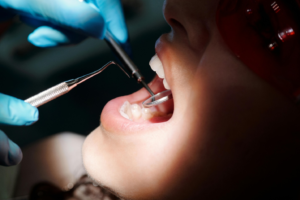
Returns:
(48,95)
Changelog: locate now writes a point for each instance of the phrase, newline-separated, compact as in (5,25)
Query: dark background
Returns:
(26,70)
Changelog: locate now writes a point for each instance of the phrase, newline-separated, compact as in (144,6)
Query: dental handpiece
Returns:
(65,87)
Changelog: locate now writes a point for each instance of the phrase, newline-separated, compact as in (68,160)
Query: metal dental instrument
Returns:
(65,87)
(157,99)
(154,100)
(124,58)
(128,66)
(126,61)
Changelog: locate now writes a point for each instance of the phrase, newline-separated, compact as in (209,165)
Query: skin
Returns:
(56,160)
(231,136)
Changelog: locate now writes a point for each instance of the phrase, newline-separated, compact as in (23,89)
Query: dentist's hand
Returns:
(13,112)
(61,22)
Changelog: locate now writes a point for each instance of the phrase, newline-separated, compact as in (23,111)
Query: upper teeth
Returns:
(156,65)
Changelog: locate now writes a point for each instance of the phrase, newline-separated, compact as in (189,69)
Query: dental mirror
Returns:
(157,99)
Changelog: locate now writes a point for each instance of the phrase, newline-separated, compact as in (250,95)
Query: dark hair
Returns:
(84,189)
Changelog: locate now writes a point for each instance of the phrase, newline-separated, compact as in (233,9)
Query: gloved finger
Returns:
(72,14)
(5,15)
(10,153)
(112,12)
(46,36)
(50,35)
(17,112)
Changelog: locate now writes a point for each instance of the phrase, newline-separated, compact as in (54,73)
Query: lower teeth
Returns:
(134,112)
(125,110)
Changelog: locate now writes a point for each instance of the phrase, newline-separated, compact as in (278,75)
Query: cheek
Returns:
(227,88)
(240,121)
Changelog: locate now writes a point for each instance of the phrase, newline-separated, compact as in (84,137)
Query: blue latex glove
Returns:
(14,112)
(61,22)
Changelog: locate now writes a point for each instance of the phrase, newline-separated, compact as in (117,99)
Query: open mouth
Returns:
(127,113)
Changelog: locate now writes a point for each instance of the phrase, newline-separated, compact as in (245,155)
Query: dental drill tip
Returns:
(147,87)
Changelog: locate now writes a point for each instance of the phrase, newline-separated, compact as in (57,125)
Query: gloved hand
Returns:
(14,112)
(61,22)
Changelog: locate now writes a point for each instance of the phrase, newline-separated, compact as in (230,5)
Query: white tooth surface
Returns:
(160,72)
(125,110)
(166,85)
(155,63)
(136,111)
(147,113)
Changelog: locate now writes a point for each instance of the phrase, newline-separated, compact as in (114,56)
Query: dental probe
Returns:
(124,58)
(155,99)
(126,61)
(65,87)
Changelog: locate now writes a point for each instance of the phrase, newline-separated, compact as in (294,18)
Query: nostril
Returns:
(176,24)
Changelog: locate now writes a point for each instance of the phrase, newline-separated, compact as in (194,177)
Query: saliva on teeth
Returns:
(134,112)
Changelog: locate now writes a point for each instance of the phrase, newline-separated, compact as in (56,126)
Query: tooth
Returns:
(160,72)
(166,85)
(147,113)
(136,111)
(125,110)
(155,63)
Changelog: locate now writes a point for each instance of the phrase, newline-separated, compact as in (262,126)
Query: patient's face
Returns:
(226,133)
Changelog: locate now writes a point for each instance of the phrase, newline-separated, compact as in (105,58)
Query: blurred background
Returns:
(26,70)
